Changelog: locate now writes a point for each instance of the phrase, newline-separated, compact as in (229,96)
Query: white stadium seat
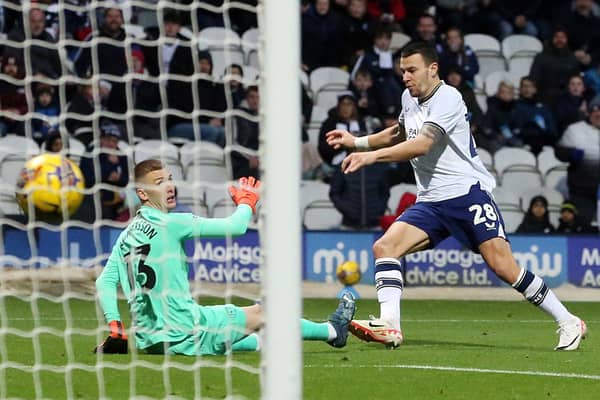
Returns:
(222,58)
(399,40)
(490,63)
(328,78)
(311,191)
(219,38)
(493,80)
(512,219)
(520,182)
(514,158)
(505,198)
(520,45)
(250,43)
(547,161)
(322,215)
(482,44)
(486,158)
(396,193)
(520,66)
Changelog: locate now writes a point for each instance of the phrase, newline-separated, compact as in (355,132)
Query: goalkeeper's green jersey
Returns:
(149,262)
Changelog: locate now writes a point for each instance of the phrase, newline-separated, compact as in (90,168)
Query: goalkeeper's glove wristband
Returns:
(116,342)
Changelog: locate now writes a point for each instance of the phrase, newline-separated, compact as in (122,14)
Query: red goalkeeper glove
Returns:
(116,342)
(247,193)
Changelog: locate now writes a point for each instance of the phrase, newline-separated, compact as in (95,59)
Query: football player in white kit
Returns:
(453,198)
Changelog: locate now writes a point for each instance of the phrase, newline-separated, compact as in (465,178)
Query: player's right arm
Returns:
(106,288)
(387,137)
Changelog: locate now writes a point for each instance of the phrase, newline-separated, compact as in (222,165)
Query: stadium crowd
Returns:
(551,104)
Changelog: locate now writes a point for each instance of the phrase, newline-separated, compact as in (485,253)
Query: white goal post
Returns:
(281,232)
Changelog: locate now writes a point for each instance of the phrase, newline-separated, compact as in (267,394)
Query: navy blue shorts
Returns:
(471,219)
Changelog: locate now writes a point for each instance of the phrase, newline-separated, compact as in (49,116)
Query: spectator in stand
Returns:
(379,62)
(592,79)
(12,96)
(210,96)
(366,94)
(496,123)
(580,147)
(387,12)
(53,143)
(47,105)
(517,17)
(571,106)
(531,120)
(570,223)
(158,56)
(247,136)
(475,115)
(111,58)
(83,104)
(552,67)
(426,31)
(358,31)
(455,54)
(322,36)
(343,116)
(537,218)
(584,32)
(235,86)
(361,197)
(455,12)
(396,88)
(44,60)
(113,170)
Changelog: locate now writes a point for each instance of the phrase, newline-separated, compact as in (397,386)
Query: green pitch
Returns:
(453,350)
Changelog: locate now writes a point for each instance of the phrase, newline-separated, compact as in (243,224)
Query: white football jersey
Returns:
(452,165)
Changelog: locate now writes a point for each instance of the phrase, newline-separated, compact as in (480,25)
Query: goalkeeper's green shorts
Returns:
(221,326)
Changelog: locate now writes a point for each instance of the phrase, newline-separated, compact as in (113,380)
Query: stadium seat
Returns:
(318,116)
(396,193)
(520,45)
(482,101)
(76,150)
(493,80)
(554,197)
(250,43)
(136,31)
(520,66)
(313,135)
(328,78)
(18,144)
(328,98)
(514,159)
(490,63)
(321,215)
(311,191)
(520,182)
(505,198)
(486,158)
(547,161)
(203,162)
(222,58)
(512,219)
(164,151)
(483,44)
(557,179)
(399,40)
(305,82)
(219,38)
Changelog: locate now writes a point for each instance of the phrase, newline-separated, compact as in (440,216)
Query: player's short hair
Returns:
(426,51)
(144,167)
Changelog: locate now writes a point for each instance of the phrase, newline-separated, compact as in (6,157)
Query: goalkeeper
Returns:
(149,263)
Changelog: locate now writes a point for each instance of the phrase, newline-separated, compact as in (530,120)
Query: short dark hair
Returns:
(144,167)
(426,51)
(171,16)
(528,78)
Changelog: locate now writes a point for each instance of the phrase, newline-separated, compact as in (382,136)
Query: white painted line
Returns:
(460,369)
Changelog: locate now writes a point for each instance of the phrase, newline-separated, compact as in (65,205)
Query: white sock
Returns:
(332,332)
(388,280)
(537,293)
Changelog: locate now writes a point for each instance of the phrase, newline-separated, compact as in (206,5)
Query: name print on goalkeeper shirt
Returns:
(144,227)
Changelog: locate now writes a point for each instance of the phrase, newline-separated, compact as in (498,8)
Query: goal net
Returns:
(87,90)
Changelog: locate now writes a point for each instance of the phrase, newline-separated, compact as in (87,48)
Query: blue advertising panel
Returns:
(545,256)
(73,246)
(219,260)
(449,264)
(16,247)
(324,251)
(584,261)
